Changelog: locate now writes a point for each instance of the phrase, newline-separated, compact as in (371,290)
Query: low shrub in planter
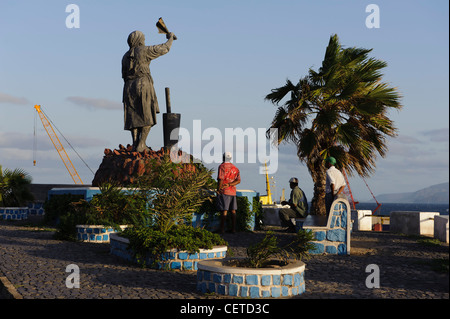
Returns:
(263,253)
(175,191)
(114,206)
(59,205)
(270,270)
(111,208)
(152,241)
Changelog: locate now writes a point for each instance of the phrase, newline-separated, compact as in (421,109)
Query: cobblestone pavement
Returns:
(35,264)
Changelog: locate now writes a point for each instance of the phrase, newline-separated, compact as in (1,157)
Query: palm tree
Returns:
(340,111)
(14,187)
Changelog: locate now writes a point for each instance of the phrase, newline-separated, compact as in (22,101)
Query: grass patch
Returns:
(36,227)
(424,240)
(427,241)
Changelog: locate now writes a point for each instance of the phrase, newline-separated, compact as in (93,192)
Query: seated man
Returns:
(298,206)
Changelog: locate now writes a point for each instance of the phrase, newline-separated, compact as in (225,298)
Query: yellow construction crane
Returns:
(59,147)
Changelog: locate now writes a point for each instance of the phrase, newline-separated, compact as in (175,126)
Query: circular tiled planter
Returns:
(173,259)
(283,281)
(96,233)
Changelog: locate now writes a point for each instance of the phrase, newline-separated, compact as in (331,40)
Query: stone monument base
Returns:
(124,165)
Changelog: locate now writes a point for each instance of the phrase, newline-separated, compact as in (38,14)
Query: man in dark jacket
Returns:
(298,206)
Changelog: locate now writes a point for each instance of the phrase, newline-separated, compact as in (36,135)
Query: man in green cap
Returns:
(335,183)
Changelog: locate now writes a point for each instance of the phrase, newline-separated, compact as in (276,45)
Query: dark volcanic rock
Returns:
(124,165)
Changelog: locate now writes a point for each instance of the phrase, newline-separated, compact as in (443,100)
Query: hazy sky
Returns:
(228,56)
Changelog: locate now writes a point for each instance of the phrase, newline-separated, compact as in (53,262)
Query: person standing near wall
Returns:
(228,177)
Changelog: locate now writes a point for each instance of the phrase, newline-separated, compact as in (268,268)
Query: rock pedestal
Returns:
(124,165)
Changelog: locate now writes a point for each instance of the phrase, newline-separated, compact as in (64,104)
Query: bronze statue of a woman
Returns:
(139,97)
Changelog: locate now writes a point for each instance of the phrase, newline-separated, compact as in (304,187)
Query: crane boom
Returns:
(59,147)
(348,192)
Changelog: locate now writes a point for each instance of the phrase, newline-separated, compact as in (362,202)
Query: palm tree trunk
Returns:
(317,171)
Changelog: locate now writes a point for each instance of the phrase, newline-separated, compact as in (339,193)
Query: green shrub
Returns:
(166,196)
(173,193)
(111,207)
(15,187)
(59,210)
(174,190)
(59,205)
(114,207)
(260,254)
(66,226)
(145,241)
(243,213)
(258,212)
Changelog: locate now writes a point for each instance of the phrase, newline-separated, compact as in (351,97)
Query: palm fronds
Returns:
(14,187)
(340,110)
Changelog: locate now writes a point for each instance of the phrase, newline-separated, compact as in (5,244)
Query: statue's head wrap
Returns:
(135,39)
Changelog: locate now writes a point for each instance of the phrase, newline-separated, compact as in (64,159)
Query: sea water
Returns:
(387,208)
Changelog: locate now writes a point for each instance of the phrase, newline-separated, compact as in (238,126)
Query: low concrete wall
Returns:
(270,214)
(441,228)
(362,220)
(413,223)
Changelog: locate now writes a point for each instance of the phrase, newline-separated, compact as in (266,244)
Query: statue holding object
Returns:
(139,97)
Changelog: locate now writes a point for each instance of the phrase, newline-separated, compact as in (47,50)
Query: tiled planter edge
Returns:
(286,281)
(173,259)
(13,213)
(96,233)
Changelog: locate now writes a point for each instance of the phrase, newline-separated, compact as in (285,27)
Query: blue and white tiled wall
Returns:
(21,213)
(13,213)
(252,284)
(335,237)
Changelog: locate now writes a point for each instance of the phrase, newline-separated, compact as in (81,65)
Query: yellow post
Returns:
(269,194)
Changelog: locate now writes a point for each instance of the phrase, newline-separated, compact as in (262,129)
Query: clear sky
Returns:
(228,56)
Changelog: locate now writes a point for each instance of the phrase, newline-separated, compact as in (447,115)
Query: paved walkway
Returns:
(35,265)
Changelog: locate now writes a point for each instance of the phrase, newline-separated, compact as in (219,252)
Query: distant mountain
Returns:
(438,194)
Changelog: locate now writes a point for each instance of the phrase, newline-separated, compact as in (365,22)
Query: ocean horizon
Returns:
(387,208)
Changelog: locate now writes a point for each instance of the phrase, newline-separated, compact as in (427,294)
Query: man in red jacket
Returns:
(228,177)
